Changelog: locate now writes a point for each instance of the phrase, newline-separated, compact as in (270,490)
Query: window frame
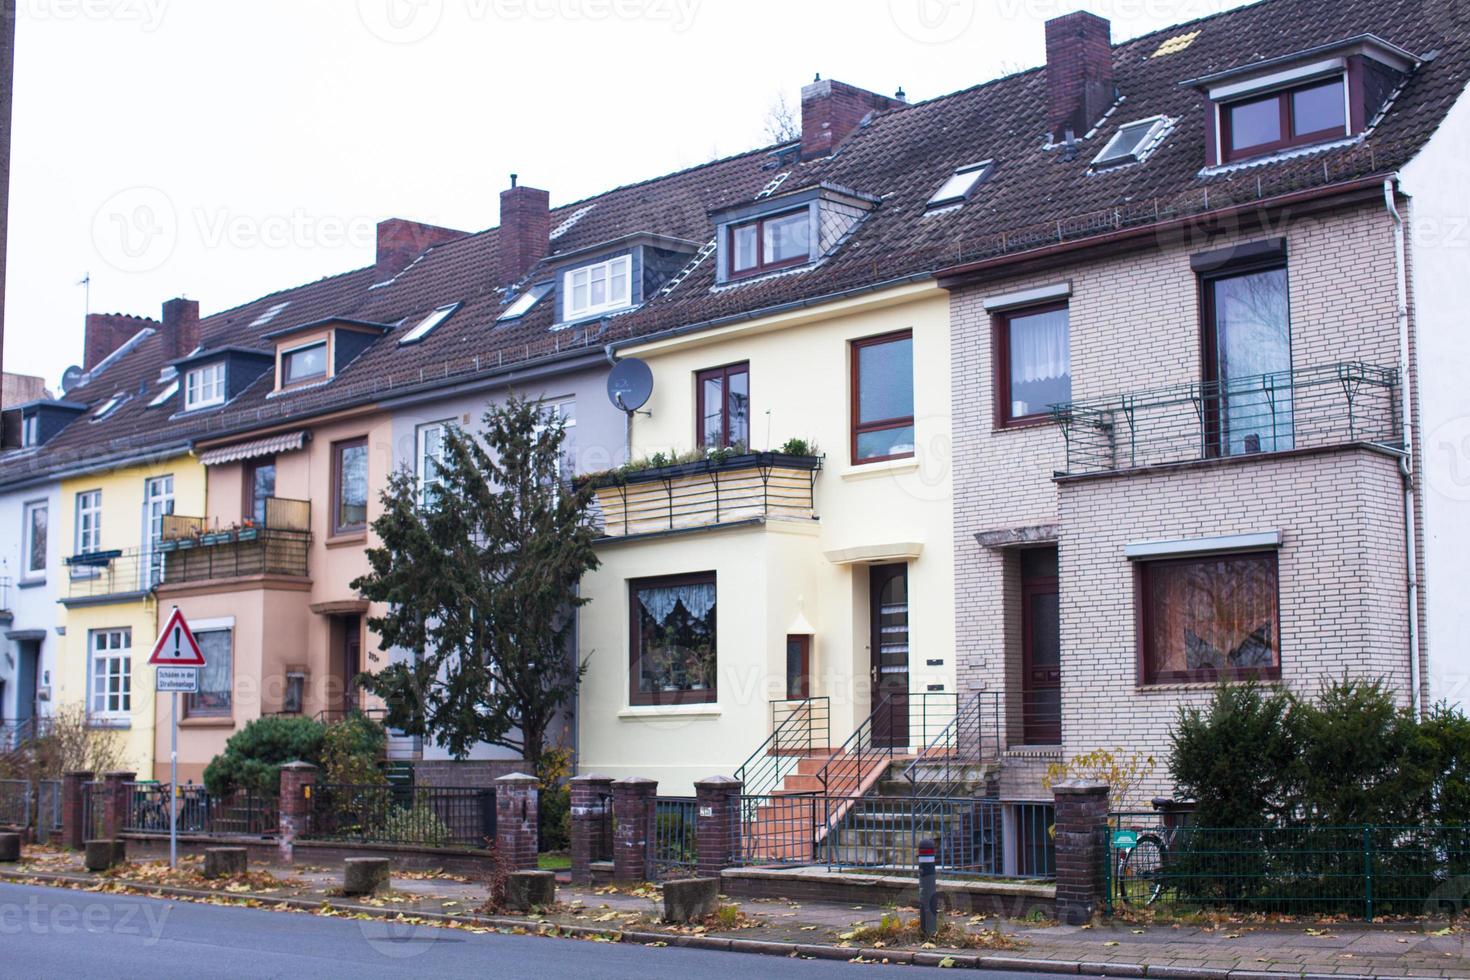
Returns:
(569,315)
(110,717)
(1143,616)
(1285,106)
(1216,436)
(288,352)
(420,457)
(759,224)
(1001,361)
(30,430)
(637,698)
(723,373)
(88,529)
(187,706)
(858,427)
(338,451)
(194,393)
(28,540)
(249,499)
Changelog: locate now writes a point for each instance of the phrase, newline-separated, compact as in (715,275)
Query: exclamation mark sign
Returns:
(178,650)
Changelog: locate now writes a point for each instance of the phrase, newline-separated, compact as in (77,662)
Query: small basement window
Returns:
(961,184)
(524,302)
(427,324)
(1132,142)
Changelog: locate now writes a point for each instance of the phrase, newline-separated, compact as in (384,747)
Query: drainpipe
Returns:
(612,360)
(1406,461)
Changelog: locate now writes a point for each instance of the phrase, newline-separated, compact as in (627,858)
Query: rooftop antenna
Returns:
(86,285)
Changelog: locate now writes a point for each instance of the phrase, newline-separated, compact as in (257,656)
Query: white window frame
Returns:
(30,430)
(1158,127)
(617,268)
(116,653)
(421,455)
(204,386)
(960,185)
(310,379)
(224,624)
(429,323)
(89,521)
(171,389)
(158,494)
(27,534)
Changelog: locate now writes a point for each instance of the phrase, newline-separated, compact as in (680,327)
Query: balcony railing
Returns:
(192,552)
(1314,408)
(100,574)
(706,493)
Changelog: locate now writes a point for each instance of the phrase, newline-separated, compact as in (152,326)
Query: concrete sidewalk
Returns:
(1237,949)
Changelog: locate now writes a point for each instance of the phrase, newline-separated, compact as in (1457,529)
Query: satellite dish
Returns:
(70,377)
(630,384)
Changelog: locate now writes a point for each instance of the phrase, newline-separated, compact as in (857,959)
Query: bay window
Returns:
(1208,618)
(1033,362)
(673,641)
(883,397)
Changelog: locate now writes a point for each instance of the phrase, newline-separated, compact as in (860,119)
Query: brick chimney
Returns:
(181,326)
(401,241)
(830,110)
(525,231)
(106,332)
(1079,73)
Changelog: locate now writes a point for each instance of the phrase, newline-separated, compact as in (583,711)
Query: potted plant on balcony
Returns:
(247,530)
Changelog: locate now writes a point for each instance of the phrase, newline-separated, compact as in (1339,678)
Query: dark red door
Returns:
(1041,645)
(351,661)
(890,646)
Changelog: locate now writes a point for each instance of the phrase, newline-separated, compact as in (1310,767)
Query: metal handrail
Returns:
(950,750)
(768,766)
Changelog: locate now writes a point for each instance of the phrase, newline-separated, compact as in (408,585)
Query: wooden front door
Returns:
(890,646)
(351,661)
(1041,644)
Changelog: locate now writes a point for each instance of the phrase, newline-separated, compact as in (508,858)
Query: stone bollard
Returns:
(1082,848)
(591,804)
(363,876)
(224,862)
(633,808)
(73,808)
(9,847)
(517,829)
(103,854)
(525,890)
(717,800)
(296,782)
(691,899)
(116,795)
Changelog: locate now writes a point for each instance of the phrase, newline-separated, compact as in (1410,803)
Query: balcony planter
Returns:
(217,537)
(168,545)
(184,544)
(650,474)
(248,533)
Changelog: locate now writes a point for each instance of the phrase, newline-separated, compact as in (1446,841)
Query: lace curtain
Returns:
(1039,347)
(698,599)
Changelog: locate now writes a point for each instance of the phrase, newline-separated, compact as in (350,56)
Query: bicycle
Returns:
(1142,868)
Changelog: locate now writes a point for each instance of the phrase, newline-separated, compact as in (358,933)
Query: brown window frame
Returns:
(338,448)
(248,502)
(761,265)
(1000,335)
(1215,437)
(803,690)
(1143,623)
(855,383)
(1283,97)
(709,695)
(724,374)
(326,344)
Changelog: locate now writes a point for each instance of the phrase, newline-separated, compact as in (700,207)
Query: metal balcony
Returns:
(278,545)
(1314,408)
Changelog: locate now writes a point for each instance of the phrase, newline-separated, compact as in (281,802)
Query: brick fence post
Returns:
(296,782)
(73,808)
(591,803)
(717,802)
(1081,843)
(633,826)
(115,793)
(517,831)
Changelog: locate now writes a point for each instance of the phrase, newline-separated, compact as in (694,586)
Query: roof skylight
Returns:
(524,302)
(427,324)
(269,314)
(960,185)
(1133,141)
(109,406)
(165,394)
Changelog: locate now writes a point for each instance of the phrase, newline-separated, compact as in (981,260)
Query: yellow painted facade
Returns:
(775,577)
(113,600)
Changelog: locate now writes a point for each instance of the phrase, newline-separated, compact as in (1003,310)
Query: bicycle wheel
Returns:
(1141,871)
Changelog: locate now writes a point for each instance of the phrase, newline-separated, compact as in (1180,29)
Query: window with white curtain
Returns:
(673,640)
(1034,361)
(216,677)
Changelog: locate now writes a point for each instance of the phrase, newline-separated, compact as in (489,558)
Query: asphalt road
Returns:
(52,932)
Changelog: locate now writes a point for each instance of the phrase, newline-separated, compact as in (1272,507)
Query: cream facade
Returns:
(804,569)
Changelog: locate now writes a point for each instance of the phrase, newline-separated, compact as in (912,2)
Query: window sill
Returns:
(1030,422)
(207,722)
(109,725)
(711,710)
(1166,687)
(347,540)
(886,467)
(30,583)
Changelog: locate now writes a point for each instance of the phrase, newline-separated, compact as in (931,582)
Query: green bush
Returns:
(1236,757)
(554,818)
(350,752)
(253,756)
(402,825)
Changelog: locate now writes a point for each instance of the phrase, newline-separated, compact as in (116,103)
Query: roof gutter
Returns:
(166,451)
(961,275)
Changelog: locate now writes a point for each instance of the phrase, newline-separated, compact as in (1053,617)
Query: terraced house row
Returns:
(1042,407)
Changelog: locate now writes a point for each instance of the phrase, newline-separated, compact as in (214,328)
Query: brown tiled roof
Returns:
(1034,197)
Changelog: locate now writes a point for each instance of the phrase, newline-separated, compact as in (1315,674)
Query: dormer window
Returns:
(30,430)
(1312,113)
(598,288)
(305,363)
(204,386)
(776,242)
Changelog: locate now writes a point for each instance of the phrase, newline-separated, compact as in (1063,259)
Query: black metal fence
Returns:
(35,805)
(241,813)
(94,813)
(427,816)
(1364,871)
(675,845)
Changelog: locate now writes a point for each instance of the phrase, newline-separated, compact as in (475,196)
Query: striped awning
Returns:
(271,445)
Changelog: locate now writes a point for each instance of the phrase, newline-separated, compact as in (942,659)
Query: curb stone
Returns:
(545,927)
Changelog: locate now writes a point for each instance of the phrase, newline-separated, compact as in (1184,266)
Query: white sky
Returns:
(221,149)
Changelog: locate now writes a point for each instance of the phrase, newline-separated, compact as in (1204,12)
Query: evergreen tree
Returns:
(479,566)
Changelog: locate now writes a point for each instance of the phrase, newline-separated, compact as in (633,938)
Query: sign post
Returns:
(178,658)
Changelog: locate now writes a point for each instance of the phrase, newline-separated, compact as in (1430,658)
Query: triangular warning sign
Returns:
(176,646)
